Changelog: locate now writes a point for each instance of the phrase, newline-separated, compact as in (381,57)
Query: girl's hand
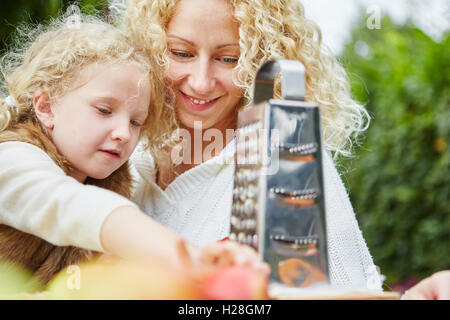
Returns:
(225,270)
(219,255)
(228,253)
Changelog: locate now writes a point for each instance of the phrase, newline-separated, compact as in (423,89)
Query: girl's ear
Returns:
(43,110)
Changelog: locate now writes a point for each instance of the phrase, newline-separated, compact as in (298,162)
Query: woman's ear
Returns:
(43,110)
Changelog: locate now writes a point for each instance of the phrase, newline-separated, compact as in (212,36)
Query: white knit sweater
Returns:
(197,205)
(37,197)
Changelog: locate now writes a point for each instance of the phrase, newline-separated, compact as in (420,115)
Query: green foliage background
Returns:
(399,180)
(15,12)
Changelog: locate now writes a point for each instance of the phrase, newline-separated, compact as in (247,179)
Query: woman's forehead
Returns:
(203,11)
(208,18)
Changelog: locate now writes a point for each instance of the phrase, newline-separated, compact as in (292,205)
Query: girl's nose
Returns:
(121,131)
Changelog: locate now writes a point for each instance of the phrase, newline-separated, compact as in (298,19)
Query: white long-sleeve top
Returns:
(197,205)
(37,197)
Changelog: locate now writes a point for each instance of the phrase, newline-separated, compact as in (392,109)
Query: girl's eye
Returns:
(135,123)
(181,54)
(103,110)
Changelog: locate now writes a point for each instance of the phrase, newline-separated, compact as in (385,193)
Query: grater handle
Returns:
(293,85)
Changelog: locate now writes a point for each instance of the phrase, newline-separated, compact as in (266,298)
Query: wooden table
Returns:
(328,293)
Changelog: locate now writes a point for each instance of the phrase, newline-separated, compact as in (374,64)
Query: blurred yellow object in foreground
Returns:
(116,279)
(15,281)
(121,280)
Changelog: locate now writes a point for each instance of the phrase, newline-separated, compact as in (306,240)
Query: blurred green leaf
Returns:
(15,12)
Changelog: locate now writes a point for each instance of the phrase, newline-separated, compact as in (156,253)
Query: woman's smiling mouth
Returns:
(198,104)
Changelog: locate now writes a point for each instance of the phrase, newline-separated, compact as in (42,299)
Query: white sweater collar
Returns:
(145,165)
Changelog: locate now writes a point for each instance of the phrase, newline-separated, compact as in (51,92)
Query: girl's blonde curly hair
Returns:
(50,58)
(268,29)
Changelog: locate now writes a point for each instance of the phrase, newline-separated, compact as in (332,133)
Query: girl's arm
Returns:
(129,233)
(37,197)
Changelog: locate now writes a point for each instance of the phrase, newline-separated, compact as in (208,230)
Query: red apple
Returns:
(235,283)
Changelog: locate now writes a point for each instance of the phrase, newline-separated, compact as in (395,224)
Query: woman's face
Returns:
(203,45)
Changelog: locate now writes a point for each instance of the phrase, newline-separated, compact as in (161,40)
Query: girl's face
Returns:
(203,45)
(96,126)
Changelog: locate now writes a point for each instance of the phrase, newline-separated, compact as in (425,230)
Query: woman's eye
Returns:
(229,60)
(181,54)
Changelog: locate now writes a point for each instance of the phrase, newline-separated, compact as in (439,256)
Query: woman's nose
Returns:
(202,78)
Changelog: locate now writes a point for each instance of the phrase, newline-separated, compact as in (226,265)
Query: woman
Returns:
(211,51)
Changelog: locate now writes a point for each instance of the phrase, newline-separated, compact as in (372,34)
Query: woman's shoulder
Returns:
(337,198)
(329,166)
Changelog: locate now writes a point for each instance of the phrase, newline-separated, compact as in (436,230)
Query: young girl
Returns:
(79,98)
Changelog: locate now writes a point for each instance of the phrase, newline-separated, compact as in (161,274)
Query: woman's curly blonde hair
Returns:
(268,29)
(49,59)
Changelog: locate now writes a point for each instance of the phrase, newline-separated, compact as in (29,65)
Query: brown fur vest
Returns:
(41,258)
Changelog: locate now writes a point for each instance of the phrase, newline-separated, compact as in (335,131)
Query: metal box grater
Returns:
(278,195)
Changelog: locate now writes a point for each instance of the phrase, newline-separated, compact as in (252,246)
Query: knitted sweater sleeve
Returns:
(351,264)
(37,197)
